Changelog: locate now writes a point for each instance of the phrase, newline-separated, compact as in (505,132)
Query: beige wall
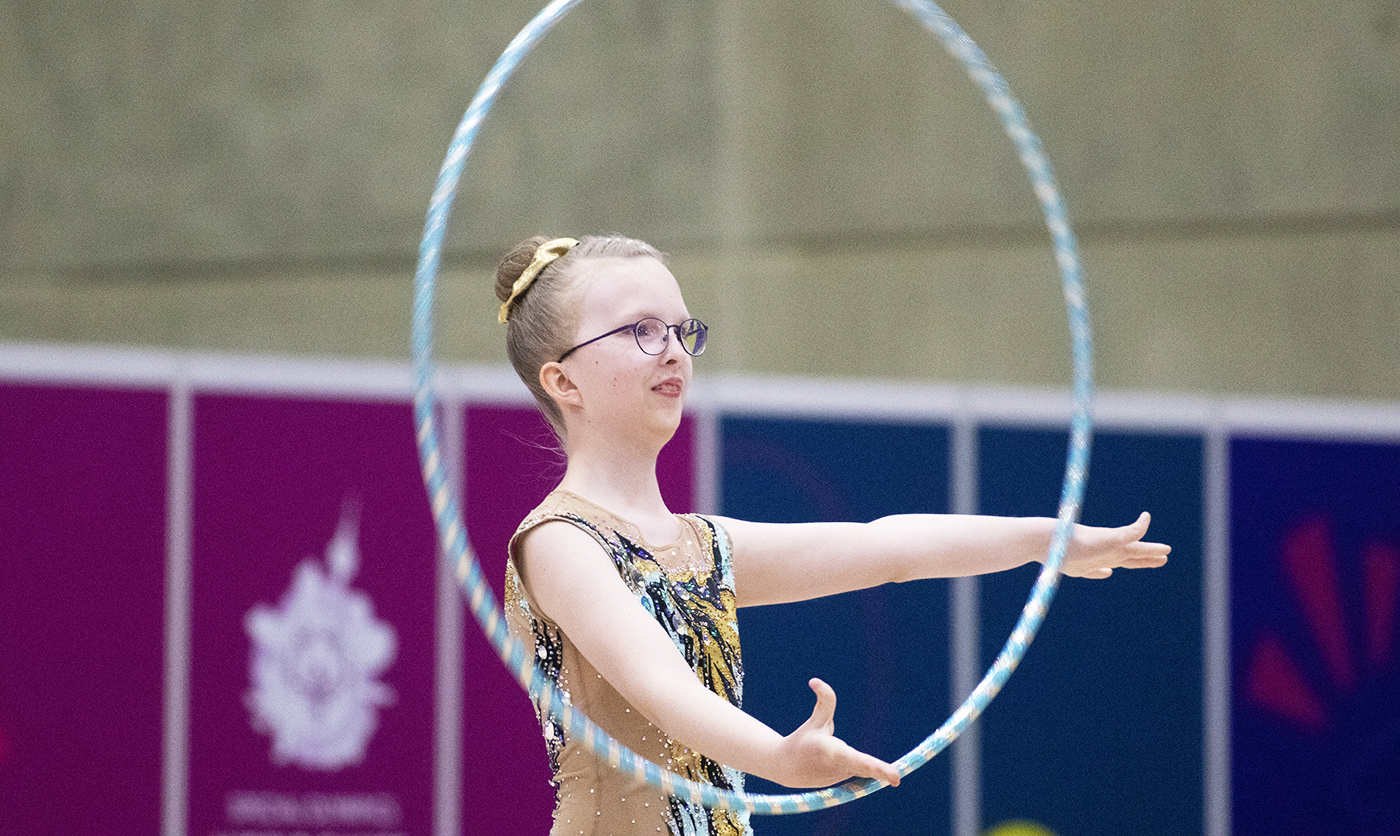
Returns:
(837,199)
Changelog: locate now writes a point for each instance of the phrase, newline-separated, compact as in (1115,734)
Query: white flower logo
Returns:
(316,661)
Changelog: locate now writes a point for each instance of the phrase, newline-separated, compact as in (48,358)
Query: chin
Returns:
(666,424)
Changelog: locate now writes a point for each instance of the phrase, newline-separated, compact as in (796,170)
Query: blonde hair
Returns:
(544,317)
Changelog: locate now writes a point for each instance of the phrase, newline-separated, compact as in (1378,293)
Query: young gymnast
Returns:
(631,609)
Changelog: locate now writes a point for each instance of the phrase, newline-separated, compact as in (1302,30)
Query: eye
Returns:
(650,328)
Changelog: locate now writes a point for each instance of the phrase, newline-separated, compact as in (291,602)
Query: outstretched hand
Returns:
(1095,552)
(812,756)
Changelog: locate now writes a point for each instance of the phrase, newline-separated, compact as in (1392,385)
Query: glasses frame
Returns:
(703,330)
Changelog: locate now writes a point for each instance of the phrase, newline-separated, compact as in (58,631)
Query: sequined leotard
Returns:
(689,587)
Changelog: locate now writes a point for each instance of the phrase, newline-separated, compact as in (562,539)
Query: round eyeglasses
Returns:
(652,335)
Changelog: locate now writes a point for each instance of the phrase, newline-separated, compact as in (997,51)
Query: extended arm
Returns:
(569,578)
(776,563)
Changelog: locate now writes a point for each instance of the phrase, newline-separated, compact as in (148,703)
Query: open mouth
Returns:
(670,388)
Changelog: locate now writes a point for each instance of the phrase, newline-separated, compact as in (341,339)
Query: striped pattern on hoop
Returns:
(447,512)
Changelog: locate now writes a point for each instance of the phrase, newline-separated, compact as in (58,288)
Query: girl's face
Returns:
(617,382)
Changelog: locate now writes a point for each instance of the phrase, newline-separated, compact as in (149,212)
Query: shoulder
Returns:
(552,533)
(559,543)
(556,560)
(560,511)
(711,525)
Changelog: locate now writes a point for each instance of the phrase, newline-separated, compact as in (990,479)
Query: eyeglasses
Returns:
(652,335)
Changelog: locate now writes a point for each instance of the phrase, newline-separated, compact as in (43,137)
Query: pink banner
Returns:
(82,569)
(512,463)
(312,648)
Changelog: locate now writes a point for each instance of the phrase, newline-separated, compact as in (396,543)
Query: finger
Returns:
(1147,551)
(824,712)
(1138,528)
(1149,546)
(1146,562)
(869,766)
(884,772)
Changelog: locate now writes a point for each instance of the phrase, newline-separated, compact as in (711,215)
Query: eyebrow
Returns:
(637,314)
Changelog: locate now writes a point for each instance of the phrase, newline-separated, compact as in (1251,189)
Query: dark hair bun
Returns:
(514,263)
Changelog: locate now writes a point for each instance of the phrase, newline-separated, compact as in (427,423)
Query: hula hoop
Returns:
(447,512)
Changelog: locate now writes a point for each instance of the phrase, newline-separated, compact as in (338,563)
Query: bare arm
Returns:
(569,577)
(776,563)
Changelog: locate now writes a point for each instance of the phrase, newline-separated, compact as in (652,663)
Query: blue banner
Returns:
(1315,637)
(1099,733)
(885,650)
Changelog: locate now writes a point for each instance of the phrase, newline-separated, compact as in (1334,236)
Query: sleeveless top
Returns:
(689,587)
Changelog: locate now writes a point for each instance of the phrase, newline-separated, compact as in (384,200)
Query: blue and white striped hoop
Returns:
(447,510)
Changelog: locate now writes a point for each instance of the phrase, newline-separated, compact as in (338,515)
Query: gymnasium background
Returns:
(207,476)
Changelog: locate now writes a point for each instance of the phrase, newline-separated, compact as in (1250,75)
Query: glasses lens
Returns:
(693,333)
(651,335)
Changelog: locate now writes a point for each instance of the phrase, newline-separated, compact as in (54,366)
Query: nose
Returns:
(672,347)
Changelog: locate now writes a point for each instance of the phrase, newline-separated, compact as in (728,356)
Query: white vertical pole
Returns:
(1216,632)
(447,697)
(179,488)
(708,466)
(964,641)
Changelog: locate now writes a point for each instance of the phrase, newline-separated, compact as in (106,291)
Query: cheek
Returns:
(612,377)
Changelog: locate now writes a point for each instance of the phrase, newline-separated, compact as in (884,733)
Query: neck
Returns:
(617,478)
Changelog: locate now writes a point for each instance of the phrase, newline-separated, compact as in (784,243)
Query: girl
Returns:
(632,609)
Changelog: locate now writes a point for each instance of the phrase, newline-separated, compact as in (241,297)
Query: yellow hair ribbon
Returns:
(544,256)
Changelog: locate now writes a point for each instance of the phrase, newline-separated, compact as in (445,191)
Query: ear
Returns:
(554,379)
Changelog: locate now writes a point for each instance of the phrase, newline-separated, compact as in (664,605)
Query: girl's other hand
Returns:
(1095,552)
(812,756)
